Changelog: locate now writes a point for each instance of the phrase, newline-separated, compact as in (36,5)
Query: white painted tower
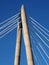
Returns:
(26,37)
(26,40)
(18,45)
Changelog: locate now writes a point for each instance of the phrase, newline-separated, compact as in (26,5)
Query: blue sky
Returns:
(38,9)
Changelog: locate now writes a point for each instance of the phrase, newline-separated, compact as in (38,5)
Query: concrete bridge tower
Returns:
(24,28)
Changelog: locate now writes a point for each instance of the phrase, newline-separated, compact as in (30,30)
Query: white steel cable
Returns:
(9,30)
(41,33)
(35,57)
(42,40)
(44,51)
(39,24)
(8,23)
(40,28)
(42,55)
(9,18)
(34,26)
(34,53)
(8,27)
(40,46)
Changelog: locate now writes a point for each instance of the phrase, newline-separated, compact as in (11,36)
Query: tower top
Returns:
(22,6)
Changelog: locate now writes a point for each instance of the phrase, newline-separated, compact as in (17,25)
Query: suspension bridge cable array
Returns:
(44,51)
(33,31)
(38,50)
(40,29)
(34,26)
(36,34)
(43,29)
(40,37)
(32,36)
(9,24)
(34,54)
(42,40)
(15,21)
(41,33)
(39,24)
(10,29)
(42,55)
(9,18)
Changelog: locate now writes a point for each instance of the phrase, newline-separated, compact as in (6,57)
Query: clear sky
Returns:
(38,9)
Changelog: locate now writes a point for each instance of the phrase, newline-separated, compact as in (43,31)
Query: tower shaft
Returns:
(26,37)
(18,46)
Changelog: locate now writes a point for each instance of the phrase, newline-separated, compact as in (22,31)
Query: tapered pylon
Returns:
(26,37)
(18,45)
